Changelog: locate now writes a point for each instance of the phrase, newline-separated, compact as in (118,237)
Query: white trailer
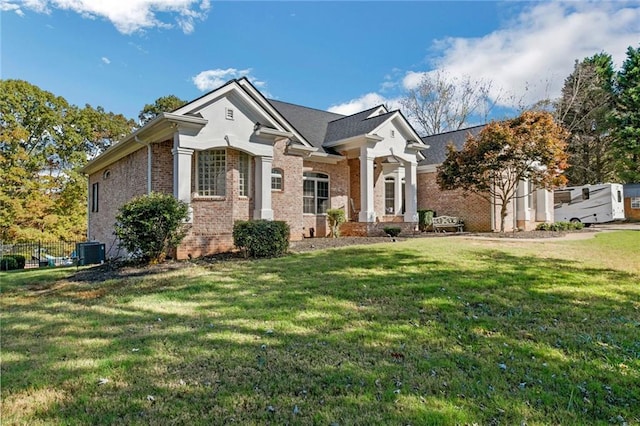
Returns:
(589,203)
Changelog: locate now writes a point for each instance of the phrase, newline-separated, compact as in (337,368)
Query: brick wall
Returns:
(127,178)
(338,193)
(213,217)
(162,167)
(474,210)
(287,204)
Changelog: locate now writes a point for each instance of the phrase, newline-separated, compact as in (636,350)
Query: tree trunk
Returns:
(503,215)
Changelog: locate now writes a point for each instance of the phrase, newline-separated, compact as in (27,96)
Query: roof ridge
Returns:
(357,113)
(306,107)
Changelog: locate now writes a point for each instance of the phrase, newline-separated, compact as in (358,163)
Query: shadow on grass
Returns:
(363,335)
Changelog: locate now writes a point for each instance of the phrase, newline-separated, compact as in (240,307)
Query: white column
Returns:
(367,213)
(410,191)
(544,205)
(263,208)
(182,174)
(522,201)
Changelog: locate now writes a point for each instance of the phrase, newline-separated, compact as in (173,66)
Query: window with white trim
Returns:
(212,172)
(635,202)
(244,174)
(315,193)
(276,179)
(389,195)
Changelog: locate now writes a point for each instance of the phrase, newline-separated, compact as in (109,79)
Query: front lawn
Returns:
(426,331)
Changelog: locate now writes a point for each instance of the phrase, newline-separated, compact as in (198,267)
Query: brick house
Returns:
(233,154)
(529,207)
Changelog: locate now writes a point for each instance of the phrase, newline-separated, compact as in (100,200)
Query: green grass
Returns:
(427,331)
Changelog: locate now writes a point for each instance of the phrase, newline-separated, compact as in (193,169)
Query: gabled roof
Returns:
(311,123)
(355,125)
(437,152)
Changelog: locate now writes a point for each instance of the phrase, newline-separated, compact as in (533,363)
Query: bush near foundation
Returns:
(8,263)
(560,226)
(150,225)
(261,238)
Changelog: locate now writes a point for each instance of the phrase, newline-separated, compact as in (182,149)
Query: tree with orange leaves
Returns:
(491,164)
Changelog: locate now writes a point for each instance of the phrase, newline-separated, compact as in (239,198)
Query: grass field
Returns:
(425,331)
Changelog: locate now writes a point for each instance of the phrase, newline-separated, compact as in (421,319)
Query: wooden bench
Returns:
(440,223)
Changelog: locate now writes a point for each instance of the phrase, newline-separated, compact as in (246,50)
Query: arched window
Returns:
(277,179)
(315,193)
(212,171)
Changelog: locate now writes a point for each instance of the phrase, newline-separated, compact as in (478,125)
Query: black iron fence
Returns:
(42,253)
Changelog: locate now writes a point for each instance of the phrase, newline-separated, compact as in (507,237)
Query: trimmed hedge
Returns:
(261,238)
(8,263)
(560,226)
(392,231)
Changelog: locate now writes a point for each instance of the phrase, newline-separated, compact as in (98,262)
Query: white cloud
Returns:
(128,16)
(532,57)
(212,79)
(106,60)
(369,100)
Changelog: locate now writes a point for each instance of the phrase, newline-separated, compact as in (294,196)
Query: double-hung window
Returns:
(276,179)
(212,165)
(315,193)
(635,202)
(244,173)
(389,195)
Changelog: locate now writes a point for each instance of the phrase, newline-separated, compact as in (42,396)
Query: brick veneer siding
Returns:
(338,194)
(127,179)
(287,203)
(473,209)
(162,167)
(211,230)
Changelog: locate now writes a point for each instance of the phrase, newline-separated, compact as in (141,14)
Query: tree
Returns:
(627,118)
(43,142)
(491,165)
(584,109)
(150,225)
(442,103)
(162,104)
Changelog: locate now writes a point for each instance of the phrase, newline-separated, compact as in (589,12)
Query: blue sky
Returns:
(343,56)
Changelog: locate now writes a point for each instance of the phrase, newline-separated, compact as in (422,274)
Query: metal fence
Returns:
(42,253)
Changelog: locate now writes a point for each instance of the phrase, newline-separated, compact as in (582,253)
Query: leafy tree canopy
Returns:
(627,118)
(492,164)
(44,141)
(585,108)
(162,104)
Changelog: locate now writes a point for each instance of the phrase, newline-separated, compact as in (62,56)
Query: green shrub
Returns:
(425,219)
(392,231)
(560,226)
(261,238)
(20,259)
(8,263)
(150,225)
(336,217)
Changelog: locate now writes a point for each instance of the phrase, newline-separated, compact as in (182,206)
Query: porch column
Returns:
(544,205)
(182,175)
(263,208)
(410,191)
(367,212)
(522,201)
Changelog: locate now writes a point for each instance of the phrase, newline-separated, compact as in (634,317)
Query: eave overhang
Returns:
(157,130)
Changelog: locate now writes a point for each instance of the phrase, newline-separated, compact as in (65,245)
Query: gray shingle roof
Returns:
(354,125)
(309,122)
(437,152)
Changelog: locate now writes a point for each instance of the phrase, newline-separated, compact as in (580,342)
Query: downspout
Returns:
(149,162)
